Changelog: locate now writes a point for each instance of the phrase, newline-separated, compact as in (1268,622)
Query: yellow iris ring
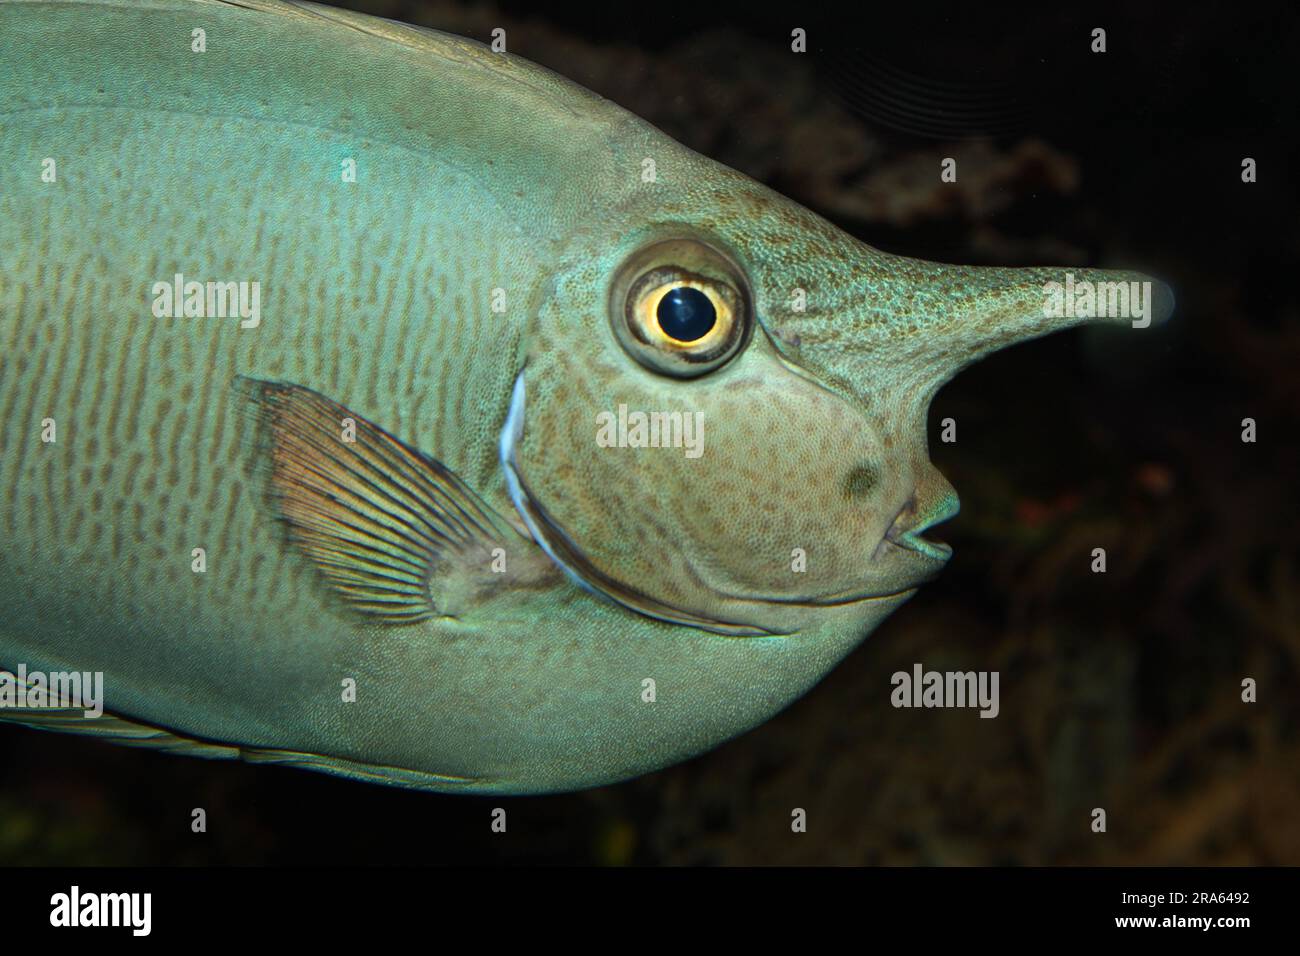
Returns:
(647,313)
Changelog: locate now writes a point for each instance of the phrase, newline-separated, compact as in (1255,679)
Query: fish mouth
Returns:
(905,530)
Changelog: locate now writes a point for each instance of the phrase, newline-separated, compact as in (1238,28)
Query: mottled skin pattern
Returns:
(476,171)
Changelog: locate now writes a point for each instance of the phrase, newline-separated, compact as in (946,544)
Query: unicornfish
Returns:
(379,403)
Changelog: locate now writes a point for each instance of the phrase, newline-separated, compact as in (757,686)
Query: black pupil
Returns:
(686,314)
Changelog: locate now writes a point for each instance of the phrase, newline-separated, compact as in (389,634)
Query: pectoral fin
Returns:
(393,532)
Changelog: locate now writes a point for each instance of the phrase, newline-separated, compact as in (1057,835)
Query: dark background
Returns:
(1119,690)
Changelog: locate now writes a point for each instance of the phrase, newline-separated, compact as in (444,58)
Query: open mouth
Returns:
(905,531)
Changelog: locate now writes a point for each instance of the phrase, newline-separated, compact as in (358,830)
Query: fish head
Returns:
(721,418)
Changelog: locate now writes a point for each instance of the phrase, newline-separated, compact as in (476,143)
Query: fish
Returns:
(379,403)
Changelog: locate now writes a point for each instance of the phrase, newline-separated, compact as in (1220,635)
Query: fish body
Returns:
(385,518)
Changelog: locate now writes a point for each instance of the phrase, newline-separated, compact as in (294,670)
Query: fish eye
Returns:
(680,308)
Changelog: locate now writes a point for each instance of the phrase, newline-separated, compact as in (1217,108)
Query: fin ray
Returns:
(378,519)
